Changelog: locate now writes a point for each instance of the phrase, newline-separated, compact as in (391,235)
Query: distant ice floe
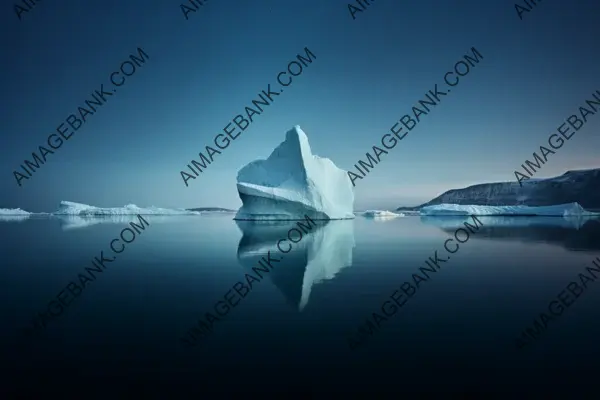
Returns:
(560,210)
(77,215)
(13,211)
(13,214)
(82,210)
(379,214)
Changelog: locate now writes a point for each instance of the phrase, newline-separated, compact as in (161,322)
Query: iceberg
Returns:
(83,210)
(77,215)
(292,183)
(13,211)
(560,210)
(13,215)
(379,214)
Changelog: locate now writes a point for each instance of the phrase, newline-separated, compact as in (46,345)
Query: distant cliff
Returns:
(581,187)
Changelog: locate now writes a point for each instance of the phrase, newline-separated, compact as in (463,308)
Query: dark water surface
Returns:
(289,334)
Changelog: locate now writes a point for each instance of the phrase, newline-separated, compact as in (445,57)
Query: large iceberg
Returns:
(83,210)
(292,183)
(561,210)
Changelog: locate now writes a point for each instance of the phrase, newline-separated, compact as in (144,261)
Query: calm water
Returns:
(290,332)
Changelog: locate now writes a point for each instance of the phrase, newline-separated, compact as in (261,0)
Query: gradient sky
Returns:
(368,73)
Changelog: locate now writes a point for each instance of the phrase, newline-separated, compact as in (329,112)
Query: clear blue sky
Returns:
(368,73)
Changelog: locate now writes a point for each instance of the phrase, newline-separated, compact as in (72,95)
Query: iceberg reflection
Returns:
(13,218)
(319,256)
(68,222)
(578,233)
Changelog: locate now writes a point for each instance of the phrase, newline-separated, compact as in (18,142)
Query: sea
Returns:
(297,331)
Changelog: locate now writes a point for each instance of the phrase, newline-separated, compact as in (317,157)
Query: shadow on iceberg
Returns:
(576,233)
(319,256)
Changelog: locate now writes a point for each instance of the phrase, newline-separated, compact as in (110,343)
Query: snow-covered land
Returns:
(71,208)
(561,210)
(377,214)
(292,183)
(572,187)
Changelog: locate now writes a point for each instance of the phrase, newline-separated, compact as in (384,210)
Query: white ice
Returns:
(560,210)
(380,214)
(292,183)
(83,210)
(13,211)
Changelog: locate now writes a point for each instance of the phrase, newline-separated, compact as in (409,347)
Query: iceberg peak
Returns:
(292,183)
(297,138)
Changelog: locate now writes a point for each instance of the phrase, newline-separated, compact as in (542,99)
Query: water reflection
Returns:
(68,222)
(571,233)
(13,218)
(321,254)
